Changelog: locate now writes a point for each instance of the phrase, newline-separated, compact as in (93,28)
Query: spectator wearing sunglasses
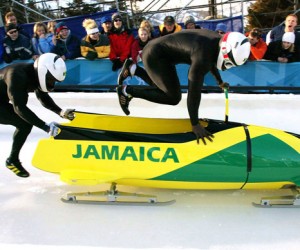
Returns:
(16,46)
(121,39)
(94,45)
(221,29)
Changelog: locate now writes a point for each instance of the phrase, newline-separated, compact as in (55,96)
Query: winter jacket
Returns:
(163,31)
(258,50)
(19,49)
(42,45)
(275,50)
(120,44)
(136,49)
(97,49)
(70,47)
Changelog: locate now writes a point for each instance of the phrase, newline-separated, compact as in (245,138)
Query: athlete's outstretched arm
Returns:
(215,72)
(47,101)
(193,103)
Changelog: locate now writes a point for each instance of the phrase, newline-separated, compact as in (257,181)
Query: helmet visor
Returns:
(50,81)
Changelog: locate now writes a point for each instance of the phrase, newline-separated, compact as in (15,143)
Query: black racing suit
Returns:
(16,81)
(198,48)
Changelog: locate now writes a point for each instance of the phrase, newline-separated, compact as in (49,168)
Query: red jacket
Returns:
(258,50)
(137,49)
(120,45)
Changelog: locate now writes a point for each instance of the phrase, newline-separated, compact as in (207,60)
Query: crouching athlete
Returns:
(203,50)
(16,81)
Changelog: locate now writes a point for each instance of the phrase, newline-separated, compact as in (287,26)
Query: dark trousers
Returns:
(23,128)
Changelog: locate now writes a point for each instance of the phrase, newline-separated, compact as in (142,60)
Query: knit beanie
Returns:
(116,16)
(188,19)
(60,26)
(90,26)
(289,37)
(10,26)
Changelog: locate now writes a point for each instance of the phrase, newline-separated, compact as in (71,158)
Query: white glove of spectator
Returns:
(54,129)
(67,114)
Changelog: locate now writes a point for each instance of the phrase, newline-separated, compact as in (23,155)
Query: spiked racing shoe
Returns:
(123,99)
(17,168)
(125,71)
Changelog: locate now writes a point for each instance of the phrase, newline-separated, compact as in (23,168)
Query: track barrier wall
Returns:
(257,76)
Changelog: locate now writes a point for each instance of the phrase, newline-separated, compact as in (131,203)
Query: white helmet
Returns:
(50,68)
(234,50)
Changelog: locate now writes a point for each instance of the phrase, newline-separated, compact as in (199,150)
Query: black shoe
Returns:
(125,67)
(17,168)
(127,99)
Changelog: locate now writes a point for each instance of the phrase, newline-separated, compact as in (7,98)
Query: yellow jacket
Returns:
(163,31)
(90,51)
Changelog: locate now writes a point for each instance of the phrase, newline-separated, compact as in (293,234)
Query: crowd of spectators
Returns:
(115,41)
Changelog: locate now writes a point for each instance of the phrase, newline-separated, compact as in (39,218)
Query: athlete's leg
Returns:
(142,73)
(164,76)
(23,129)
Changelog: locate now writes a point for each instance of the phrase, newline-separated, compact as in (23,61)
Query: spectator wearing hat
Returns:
(106,24)
(94,45)
(190,23)
(284,51)
(66,45)
(169,26)
(221,28)
(258,46)
(16,46)
(121,40)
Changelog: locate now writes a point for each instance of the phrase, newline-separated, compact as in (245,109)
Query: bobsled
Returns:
(163,153)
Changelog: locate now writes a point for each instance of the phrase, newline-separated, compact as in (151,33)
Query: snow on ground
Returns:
(33,217)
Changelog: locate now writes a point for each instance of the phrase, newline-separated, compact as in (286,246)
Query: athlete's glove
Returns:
(224,85)
(54,129)
(67,114)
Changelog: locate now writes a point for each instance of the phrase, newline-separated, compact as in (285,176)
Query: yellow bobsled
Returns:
(163,153)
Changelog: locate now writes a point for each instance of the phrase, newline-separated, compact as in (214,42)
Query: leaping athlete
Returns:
(16,81)
(203,50)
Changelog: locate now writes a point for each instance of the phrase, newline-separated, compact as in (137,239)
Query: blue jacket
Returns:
(70,48)
(42,45)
